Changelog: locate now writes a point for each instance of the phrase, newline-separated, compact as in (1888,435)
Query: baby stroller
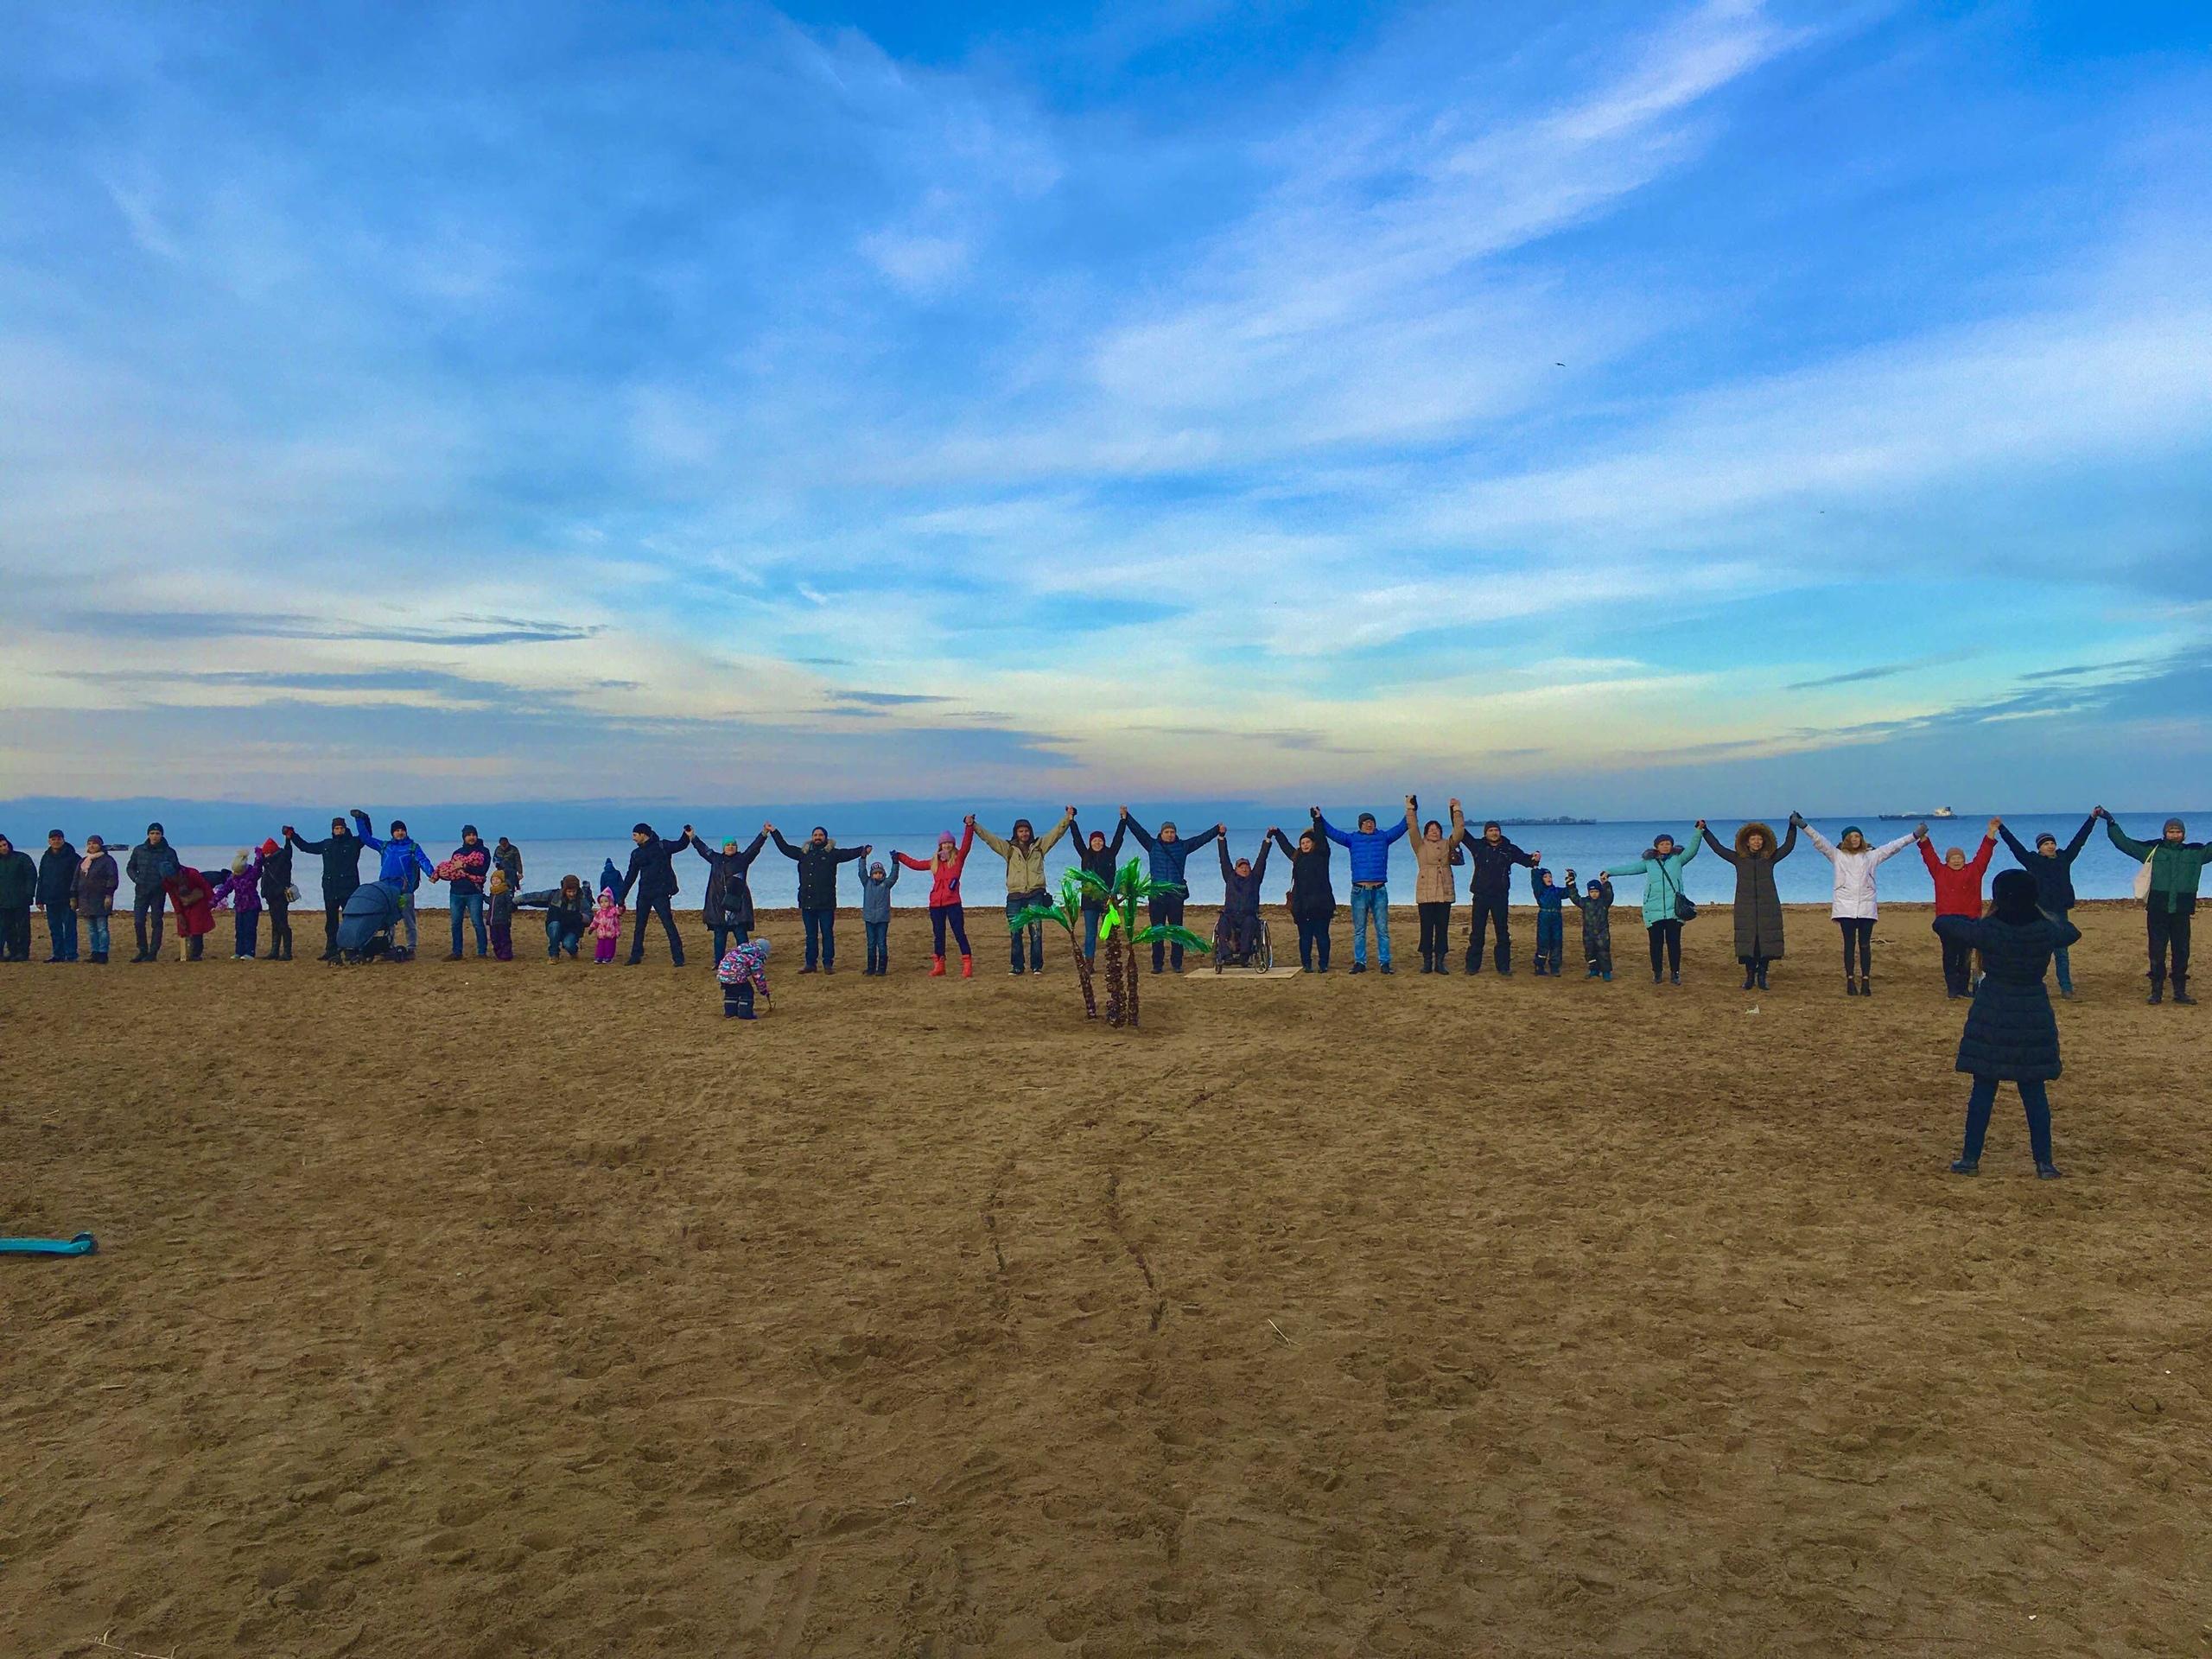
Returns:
(365,930)
(1256,952)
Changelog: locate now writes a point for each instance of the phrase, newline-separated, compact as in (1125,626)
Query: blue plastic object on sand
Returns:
(83,1244)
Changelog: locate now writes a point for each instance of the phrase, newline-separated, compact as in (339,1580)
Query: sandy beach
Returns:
(489,1309)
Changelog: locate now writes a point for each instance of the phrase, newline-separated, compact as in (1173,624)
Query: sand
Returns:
(523,1309)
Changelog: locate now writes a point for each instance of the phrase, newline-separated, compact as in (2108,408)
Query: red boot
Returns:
(938,972)
(966,967)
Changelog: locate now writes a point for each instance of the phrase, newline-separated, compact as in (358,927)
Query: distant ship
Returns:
(1914,818)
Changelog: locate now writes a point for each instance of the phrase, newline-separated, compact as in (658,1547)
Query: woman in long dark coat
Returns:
(1313,898)
(1759,906)
(2011,1035)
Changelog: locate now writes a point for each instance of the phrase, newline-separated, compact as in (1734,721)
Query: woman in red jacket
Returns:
(194,899)
(1958,893)
(944,895)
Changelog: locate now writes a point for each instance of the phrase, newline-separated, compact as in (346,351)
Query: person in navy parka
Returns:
(2011,1035)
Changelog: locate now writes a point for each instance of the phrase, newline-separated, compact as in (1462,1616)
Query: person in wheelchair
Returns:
(1236,935)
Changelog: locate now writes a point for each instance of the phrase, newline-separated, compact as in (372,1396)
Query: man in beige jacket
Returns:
(1025,882)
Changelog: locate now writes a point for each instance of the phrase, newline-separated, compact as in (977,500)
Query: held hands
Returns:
(686,835)
(1796,819)
(968,820)
(1125,811)
(1919,832)
(2098,812)
(1454,803)
(1221,829)
(1699,826)
(1315,812)
(767,828)
(1995,824)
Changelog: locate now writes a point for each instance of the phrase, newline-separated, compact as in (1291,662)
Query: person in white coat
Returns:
(1854,907)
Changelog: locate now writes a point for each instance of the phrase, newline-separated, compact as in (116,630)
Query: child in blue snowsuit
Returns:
(1551,927)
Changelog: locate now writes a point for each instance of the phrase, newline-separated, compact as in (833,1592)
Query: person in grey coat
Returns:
(1596,903)
(97,881)
(875,915)
(1759,905)
(152,862)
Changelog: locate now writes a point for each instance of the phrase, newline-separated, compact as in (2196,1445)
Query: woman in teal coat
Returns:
(1660,867)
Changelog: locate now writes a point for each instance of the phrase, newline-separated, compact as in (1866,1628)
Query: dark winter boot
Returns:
(1762,975)
(1751,976)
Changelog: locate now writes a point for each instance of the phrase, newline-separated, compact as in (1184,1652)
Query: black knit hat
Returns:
(2014,892)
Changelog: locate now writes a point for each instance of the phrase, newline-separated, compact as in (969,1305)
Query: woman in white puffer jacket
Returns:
(1855,906)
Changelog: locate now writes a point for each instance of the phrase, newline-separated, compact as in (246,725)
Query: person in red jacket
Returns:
(194,897)
(944,872)
(1958,893)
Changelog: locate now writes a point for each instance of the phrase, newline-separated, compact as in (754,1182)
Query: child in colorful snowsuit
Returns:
(743,971)
(1551,925)
(1596,904)
(241,889)
(606,926)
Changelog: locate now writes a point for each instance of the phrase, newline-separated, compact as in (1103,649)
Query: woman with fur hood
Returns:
(1855,904)
(1759,906)
(97,881)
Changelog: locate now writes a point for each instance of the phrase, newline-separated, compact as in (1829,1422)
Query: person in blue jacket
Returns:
(1370,880)
(404,865)
(1167,853)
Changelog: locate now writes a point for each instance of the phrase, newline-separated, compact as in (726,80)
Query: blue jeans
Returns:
(1015,904)
(821,938)
(1368,902)
(1092,915)
(725,937)
(469,905)
(96,934)
(562,934)
(2064,969)
(879,944)
(1983,1100)
(61,931)
(246,932)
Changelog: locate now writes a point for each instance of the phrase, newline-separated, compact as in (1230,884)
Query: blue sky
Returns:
(1610,408)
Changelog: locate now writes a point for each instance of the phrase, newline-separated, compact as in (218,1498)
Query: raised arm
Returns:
(1052,839)
(2081,837)
(1789,845)
(967,839)
(1637,868)
(1283,842)
(783,846)
(1144,838)
(847,854)
(318,847)
(891,876)
(1458,835)
(1396,832)
(1332,832)
(996,843)
(361,820)
(1259,864)
(1228,869)
(1690,849)
(1821,843)
(1979,861)
(2125,842)
(1889,849)
(1203,836)
(1720,851)
(2013,842)
(909,860)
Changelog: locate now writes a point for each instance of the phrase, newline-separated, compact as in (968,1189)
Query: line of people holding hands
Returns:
(79,892)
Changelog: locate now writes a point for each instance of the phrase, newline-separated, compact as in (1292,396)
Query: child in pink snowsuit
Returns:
(606,926)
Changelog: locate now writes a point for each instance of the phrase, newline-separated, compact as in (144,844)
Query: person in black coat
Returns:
(57,896)
(341,874)
(2011,1036)
(728,907)
(654,878)
(277,897)
(2052,867)
(1097,855)
(1313,900)
(1237,933)
(818,864)
(1488,891)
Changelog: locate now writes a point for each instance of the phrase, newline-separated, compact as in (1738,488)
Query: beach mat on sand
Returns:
(83,1244)
(1207,975)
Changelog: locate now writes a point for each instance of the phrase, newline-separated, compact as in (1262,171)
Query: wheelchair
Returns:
(1259,959)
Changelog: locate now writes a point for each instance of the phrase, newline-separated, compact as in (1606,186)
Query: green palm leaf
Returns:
(1165,933)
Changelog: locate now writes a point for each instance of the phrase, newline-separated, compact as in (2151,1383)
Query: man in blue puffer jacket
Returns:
(404,865)
(1168,853)
(1370,881)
